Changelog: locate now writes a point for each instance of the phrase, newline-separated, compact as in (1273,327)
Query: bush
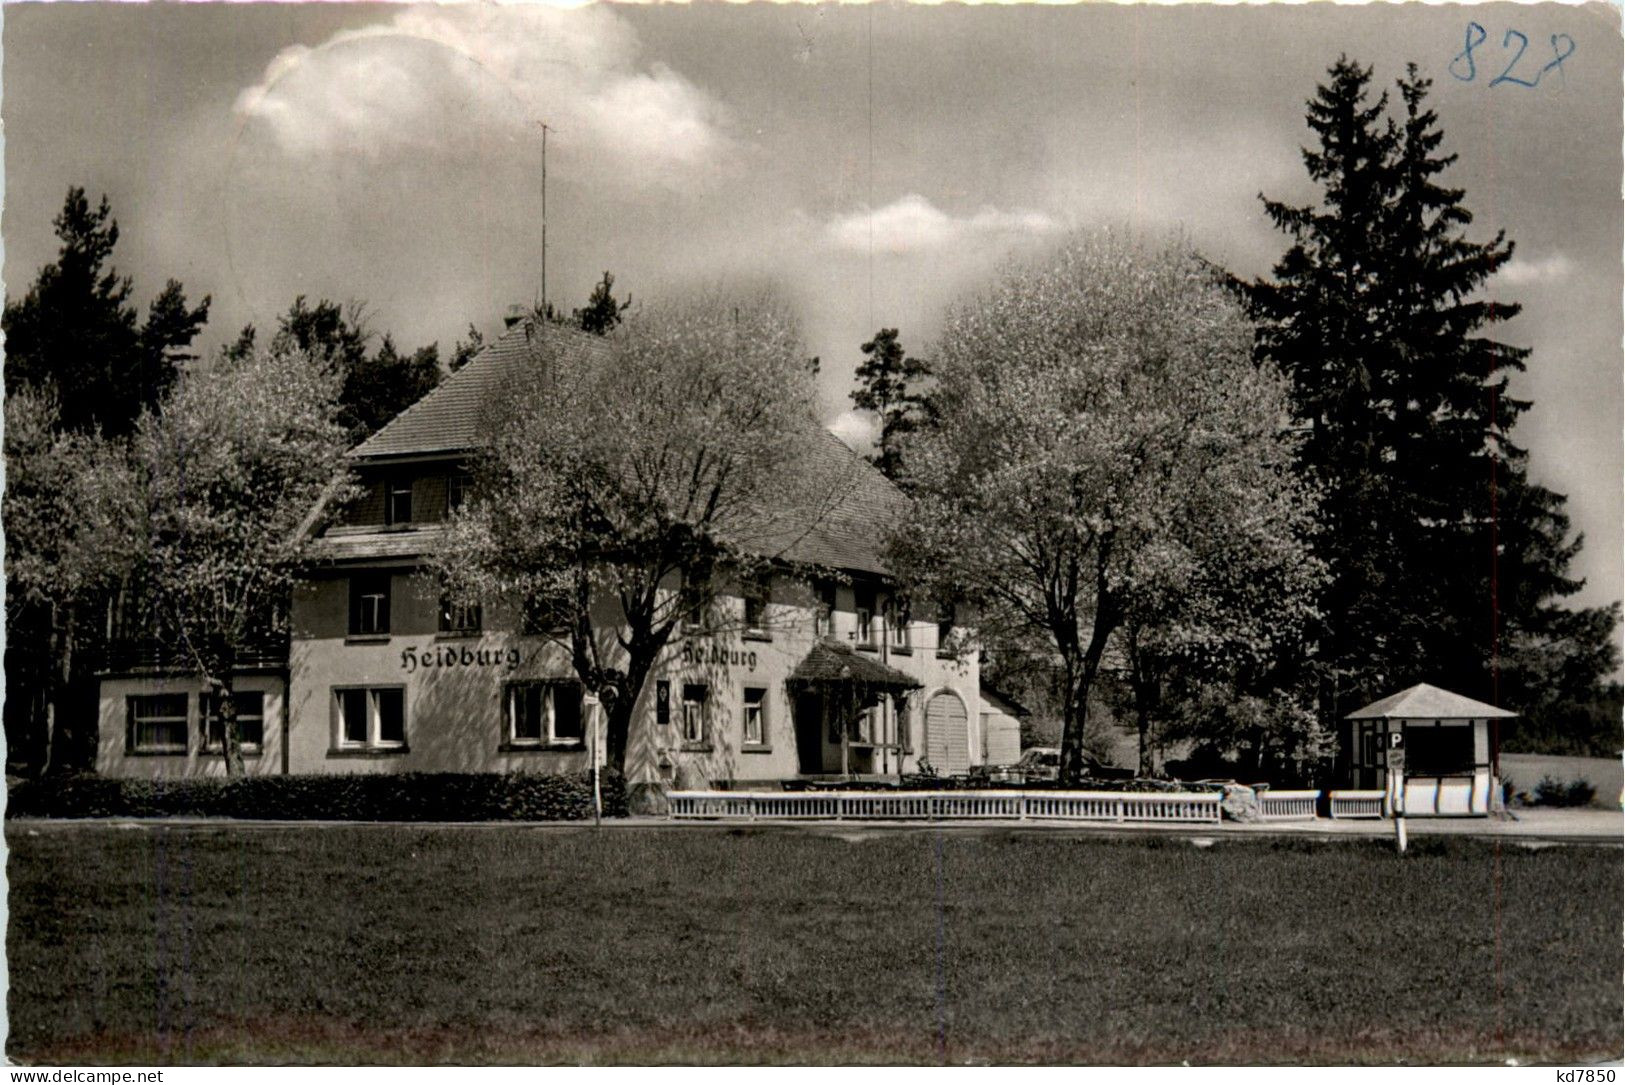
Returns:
(411,796)
(1552,792)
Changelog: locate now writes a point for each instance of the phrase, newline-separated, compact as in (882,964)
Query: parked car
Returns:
(1043,763)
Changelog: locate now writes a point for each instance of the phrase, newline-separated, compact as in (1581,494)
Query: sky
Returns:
(879,164)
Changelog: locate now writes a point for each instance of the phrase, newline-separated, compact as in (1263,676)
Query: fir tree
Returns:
(889,385)
(1378,314)
(602,311)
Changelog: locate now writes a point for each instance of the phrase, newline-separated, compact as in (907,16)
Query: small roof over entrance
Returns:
(1425,702)
(832,663)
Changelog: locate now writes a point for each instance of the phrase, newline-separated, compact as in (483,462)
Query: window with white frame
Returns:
(398,501)
(897,619)
(544,713)
(459,617)
(457,484)
(755,717)
(369,604)
(250,706)
(866,616)
(945,630)
(824,610)
(156,723)
(695,694)
(370,718)
(756,596)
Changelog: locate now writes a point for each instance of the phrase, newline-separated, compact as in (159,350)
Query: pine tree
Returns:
(1377,312)
(76,337)
(889,385)
(602,311)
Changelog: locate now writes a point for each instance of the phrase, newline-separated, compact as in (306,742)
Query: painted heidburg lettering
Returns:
(701,654)
(452,655)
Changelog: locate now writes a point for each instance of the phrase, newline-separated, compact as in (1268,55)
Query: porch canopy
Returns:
(1425,702)
(847,683)
(831,663)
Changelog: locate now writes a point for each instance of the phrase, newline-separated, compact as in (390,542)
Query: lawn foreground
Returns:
(172,944)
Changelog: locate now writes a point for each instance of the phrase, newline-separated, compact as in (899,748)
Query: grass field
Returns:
(386,944)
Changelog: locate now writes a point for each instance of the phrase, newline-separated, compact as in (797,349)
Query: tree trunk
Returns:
(1075,713)
(63,630)
(230,737)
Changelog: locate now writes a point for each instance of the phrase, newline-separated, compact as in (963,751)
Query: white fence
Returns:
(1287,805)
(1356,804)
(1112,806)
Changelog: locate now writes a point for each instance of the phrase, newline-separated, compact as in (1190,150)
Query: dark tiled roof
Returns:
(832,661)
(451,418)
(1425,702)
(1004,702)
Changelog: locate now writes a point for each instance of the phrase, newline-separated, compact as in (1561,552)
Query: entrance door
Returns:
(947,744)
(810,733)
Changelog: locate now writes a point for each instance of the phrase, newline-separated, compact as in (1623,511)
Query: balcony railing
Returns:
(140,655)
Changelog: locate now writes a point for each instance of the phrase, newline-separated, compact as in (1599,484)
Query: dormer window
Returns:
(456,491)
(398,501)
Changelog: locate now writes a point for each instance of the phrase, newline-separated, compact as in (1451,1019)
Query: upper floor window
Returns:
(156,723)
(541,616)
(897,620)
(866,616)
(544,713)
(457,485)
(945,630)
(824,610)
(756,596)
(459,616)
(369,604)
(250,706)
(398,501)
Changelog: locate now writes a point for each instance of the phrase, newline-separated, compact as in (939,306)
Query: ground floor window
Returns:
(156,723)
(755,717)
(541,713)
(370,717)
(695,695)
(250,721)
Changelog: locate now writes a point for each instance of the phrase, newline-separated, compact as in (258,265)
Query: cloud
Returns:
(855,428)
(913,224)
(457,78)
(1521,272)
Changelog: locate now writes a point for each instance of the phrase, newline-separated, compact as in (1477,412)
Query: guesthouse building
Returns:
(817,671)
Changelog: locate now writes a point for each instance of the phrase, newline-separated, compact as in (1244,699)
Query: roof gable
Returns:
(454,416)
(1425,702)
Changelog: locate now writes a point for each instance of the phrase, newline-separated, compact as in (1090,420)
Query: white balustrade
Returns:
(1288,805)
(1356,804)
(1111,806)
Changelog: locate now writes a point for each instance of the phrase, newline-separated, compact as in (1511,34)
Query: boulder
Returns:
(1239,803)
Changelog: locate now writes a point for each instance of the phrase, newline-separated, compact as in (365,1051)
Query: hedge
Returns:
(410,796)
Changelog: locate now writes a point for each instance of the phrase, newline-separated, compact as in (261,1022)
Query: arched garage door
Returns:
(947,744)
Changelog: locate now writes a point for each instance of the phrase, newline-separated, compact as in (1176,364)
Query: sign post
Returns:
(594,711)
(1396,784)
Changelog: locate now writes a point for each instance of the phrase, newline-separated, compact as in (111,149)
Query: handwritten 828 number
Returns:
(1465,68)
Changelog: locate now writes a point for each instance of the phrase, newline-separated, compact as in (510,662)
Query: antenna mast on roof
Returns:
(541,305)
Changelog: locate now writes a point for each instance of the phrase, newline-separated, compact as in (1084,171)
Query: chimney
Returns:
(516,313)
